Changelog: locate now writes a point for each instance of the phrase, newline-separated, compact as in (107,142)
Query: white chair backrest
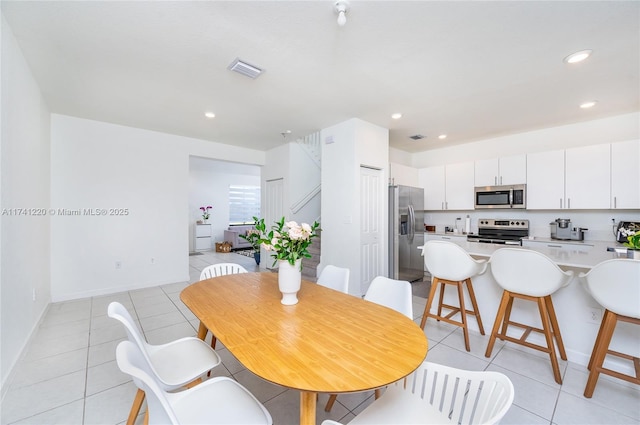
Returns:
(132,362)
(221,269)
(117,311)
(467,397)
(615,285)
(527,272)
(335,278)
(448,261)
(395,294)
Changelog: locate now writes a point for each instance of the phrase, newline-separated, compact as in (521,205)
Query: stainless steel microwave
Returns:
(511,196)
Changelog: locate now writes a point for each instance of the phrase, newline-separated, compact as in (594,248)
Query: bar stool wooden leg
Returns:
(474,304)
(507,315)
(596,344)
(427,307)
(502,308)
(441,299)
(600,351)
(551,348)
(463,317)
(554,327)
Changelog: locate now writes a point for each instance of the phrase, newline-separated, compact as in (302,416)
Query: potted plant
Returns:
(205,213)
(633,244)
(254,237)
(289,243)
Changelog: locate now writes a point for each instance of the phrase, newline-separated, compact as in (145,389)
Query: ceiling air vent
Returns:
(417,137)
(245,69)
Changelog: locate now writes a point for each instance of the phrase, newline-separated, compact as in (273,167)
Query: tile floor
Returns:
(69,376)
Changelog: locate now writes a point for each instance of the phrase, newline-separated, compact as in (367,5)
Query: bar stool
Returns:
(449,264)
(615,285)
(531,276)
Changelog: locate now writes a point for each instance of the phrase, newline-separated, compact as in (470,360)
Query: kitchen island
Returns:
(579,315)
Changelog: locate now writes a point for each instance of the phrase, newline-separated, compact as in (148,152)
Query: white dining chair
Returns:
(615,285)
(392,293)
(220,400)
(334,277)
(438,394)
(215,270)
(175,364)
(221,269)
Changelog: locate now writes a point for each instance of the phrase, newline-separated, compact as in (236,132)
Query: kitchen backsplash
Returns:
(599,223)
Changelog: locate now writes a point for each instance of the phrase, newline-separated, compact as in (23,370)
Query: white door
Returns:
(273,209)
(372,207)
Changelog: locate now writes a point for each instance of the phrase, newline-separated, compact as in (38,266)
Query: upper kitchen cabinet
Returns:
(448,187)
(625,175)
(588,177)
(545,180)
(432,180)
(501,171)
(577,178)
(403,175)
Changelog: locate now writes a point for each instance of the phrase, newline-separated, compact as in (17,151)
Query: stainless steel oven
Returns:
(505,232)
(512,196)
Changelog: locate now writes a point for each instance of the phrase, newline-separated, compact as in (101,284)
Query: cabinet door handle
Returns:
(615,202)
(560,203)
(569,203)
(495,180)
(445,237)
(446,205)
(500,179)
(442,205)
(554,246)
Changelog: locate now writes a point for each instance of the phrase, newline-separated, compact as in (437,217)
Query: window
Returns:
(244,204)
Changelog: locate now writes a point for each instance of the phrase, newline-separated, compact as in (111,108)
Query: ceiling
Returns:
(470,69)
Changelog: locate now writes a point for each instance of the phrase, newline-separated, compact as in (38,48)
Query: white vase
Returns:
(289,279)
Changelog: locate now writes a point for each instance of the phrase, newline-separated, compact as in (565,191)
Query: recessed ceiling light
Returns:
(209,115)
(587,105)
(578,56)
(396,116)
(442,136)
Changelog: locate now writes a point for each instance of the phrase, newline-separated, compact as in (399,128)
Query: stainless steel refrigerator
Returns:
(406,232)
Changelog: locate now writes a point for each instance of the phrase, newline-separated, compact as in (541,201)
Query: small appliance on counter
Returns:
(561,229)
(625,228)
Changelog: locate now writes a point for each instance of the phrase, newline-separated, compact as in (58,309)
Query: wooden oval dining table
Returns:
(329,342)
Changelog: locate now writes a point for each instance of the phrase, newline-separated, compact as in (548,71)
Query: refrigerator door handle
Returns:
(412,223)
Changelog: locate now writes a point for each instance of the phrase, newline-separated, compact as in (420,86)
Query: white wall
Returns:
(209,182)
(104,166)
(24,248)
(613,129)
(345,147)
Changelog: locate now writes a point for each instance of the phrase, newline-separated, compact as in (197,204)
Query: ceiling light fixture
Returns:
(417,137)
(396,116)
(342,7)
(285,134)
(442,136)
(587,105)
(209,115)
(578,56)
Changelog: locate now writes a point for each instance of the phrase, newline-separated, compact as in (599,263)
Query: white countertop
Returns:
(563,257)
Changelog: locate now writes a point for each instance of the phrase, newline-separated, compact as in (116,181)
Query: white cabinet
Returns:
(432,180)
(559,245)
(625,175)
(459,186)
(447,187)
(501,171)
(202,233)
(545,180)
(403,175)
(576,178)
(440,237)
(588,177)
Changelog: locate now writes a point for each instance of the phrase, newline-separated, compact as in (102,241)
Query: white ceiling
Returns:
(471,69)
